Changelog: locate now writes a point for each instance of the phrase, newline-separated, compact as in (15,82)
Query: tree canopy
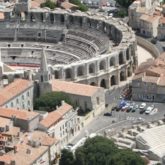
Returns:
(124,3)
(81,6)
(49,4)
(50,100)
(101,151)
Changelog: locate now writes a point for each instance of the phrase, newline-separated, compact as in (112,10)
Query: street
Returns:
(120,119)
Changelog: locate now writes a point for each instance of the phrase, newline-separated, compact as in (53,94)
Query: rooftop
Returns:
(74,88)
(56,115)
(19,114)
(13,89)
(42,137)
(26,154)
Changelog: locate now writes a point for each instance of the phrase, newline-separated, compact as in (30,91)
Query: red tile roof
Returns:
(19,114)
(55,116)
(74,88)
(13,89)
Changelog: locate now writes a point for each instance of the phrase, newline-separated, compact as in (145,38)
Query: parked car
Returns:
(154,111)
(142,106)
(149,109)
(114,108)
(142,111)
(129,109)
(135,108)
(108,114)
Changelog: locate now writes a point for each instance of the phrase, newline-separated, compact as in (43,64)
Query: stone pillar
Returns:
(62,74)
(97,67)
(86,73)
(74,73)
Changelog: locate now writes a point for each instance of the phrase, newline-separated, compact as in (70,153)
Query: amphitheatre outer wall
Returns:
(108,62)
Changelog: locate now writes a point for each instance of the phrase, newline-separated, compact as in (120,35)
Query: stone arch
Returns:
(56,74)
(122,76)
(103,83)
(91,68)
(80,71)
(121,58)
(112,61)
(62,18)
(129,72)
(68,73)
(93,84)
(127,54)
(71,19)
(17,76)
(102,65)
(113,80)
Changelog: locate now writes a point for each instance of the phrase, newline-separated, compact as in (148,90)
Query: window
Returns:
(17,101)
(28,93)
(22,97)
(11,104)
(28,102)
(98,100)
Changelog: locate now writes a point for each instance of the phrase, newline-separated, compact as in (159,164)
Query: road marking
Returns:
(110,126)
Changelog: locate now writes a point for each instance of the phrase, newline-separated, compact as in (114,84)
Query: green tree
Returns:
(66,158)
(50,100)
(124,3)
(102,151)
(50,4)
(127,157)
(81,6)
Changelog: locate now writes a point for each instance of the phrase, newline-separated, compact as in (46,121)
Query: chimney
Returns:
(15,149)
(28,151)
(13,162)
(62,102)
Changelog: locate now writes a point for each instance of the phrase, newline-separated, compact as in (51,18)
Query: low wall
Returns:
(148,46)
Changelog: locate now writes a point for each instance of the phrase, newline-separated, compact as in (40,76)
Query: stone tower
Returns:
(148,4)
(44,75)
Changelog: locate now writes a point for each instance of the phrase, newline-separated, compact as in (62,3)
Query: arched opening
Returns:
(17,76)
(121,58)
(68,73)
(80,21)
(112,61)
(56,74)
(127,54)
(91,68)
(122,76)
(93,83)
(103,83)
(113,80)
(102,65)
(71,19)
(80,71)
(62,18)
(129,73)
(5,80)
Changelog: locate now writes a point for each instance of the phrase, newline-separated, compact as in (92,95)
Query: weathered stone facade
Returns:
(85,48)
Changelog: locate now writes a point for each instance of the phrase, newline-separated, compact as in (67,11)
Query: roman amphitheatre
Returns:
(81,47)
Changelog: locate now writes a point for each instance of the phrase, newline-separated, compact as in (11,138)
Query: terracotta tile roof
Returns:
(66,5)
(149,18)
(19,114)
(2,17)
(55,116)
(6,159)
(74,88)
(21,157)
(4,122)
(13,131)
(161,81)
(42,137)
(13,89)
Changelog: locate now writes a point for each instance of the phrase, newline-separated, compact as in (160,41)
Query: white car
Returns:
(154,111)
(142,106)
(149,109)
